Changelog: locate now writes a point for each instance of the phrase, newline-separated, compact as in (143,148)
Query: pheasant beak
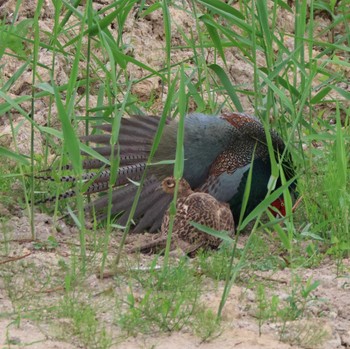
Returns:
(278,204)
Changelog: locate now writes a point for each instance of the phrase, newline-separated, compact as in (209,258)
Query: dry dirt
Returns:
(32,279)
(327,318)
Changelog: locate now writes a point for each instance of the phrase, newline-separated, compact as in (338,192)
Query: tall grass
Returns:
(297,85)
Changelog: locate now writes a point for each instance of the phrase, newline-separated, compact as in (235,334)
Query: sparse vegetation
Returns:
(65,67)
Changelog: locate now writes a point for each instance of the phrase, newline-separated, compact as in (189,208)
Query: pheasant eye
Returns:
(170,183)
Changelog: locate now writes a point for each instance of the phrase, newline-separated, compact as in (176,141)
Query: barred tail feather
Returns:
(68,194)
(133,147)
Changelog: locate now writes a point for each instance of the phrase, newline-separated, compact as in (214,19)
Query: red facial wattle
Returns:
(278,204)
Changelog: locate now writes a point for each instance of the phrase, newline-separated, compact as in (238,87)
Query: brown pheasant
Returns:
(199,207)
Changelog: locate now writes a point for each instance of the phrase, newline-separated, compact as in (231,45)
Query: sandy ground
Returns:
(25,268)
(31,279)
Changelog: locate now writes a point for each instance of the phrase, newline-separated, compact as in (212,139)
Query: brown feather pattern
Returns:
(201,208)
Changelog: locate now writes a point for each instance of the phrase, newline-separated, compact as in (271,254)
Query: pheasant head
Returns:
(169,184)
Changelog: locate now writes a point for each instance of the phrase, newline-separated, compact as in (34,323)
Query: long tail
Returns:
(135,142)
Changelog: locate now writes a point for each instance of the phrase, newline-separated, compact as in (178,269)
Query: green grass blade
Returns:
(218,234)
(22,159)
(214,36)
(227,85)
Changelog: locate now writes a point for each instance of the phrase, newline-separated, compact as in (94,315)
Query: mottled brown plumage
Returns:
(201,208)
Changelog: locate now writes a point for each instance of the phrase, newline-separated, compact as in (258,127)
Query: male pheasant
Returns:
(218,151)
